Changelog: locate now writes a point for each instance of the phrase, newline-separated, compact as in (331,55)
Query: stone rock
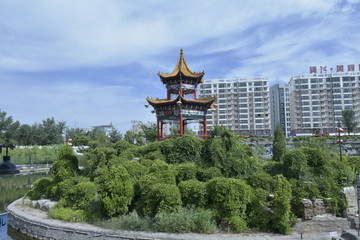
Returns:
(49,205)
(26,202)
(41,204)
(314,208)
(350,196)
(35,204)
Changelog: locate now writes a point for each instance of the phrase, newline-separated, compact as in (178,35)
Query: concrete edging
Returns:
(36,223)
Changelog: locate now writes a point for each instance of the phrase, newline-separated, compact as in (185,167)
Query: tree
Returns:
(282,212)
(116,190)
(279,145)
(348,119)
(114,135)
(150,131)
(8,128)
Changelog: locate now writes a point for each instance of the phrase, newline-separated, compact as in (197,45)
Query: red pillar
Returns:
(158,129)
(181,122)
(162,130)
(168,95)
(205,127)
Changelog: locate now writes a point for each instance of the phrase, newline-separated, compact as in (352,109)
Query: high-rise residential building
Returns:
(279,107)
(317,100)
(242,104)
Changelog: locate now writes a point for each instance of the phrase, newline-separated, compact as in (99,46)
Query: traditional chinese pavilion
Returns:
(181,104)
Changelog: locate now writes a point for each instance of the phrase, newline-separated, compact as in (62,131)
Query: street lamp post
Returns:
(339,141)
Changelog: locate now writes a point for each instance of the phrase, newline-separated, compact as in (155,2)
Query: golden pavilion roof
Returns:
(201,101)
(182,68)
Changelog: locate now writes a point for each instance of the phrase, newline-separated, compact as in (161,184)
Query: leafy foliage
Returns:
(193,193)
(41,187)
(349,120)
(282,212)
(65,166)
(116,190)
(228,197)
(279,146)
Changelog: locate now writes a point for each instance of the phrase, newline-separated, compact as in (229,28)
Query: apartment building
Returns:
(279,107)
(242,105)
(317,100)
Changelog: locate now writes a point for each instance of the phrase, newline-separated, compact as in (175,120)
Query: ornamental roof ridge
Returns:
(181,67)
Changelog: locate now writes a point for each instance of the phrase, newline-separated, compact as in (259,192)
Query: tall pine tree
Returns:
(279,145)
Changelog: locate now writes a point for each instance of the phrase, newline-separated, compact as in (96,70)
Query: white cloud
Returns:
(272,38)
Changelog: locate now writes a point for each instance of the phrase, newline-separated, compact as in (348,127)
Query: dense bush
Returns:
(41,187)
(116,190)
(282,211)
(228,197)
(295,164)
(184,149)
(193,193)
(205,174)
(184,184)
(183,220)
(65,166)
(161,198)
(186,171)
(80,197)
(68,214)
(234,224)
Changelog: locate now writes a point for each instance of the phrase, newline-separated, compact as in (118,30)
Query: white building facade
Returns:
(243,105)
(317,100)
(280,108)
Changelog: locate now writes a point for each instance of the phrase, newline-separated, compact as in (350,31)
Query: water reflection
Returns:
(14,188)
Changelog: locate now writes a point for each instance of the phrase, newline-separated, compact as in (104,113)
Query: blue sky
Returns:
(92,62)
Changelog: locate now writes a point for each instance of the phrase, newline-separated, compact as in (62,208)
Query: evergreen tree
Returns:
(279,145)
(348,119)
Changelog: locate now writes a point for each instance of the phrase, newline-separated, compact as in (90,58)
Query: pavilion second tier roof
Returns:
(199,101)
(181,69)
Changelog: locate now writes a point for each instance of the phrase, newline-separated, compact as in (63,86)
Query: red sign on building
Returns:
(313,69)
(351,68)
(340,68)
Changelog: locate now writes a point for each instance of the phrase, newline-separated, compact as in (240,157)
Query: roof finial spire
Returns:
(181,51)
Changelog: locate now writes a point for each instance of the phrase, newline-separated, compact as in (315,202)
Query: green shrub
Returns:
(135,169)
(58,190)
(131,221)
(68,214)
(161,197)
(41,187)
(234,224)
(258,211)
(228,197)
(164,172)
(117,190)
(302,190)
(281,204)
(193,193)
(65,166)
(186,171)
(185,220)
(184,149)
(261,180)
(205,174)
(295,164)
(80,197)
(121,145)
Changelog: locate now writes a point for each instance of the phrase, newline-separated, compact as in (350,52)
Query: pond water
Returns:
(13,188)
